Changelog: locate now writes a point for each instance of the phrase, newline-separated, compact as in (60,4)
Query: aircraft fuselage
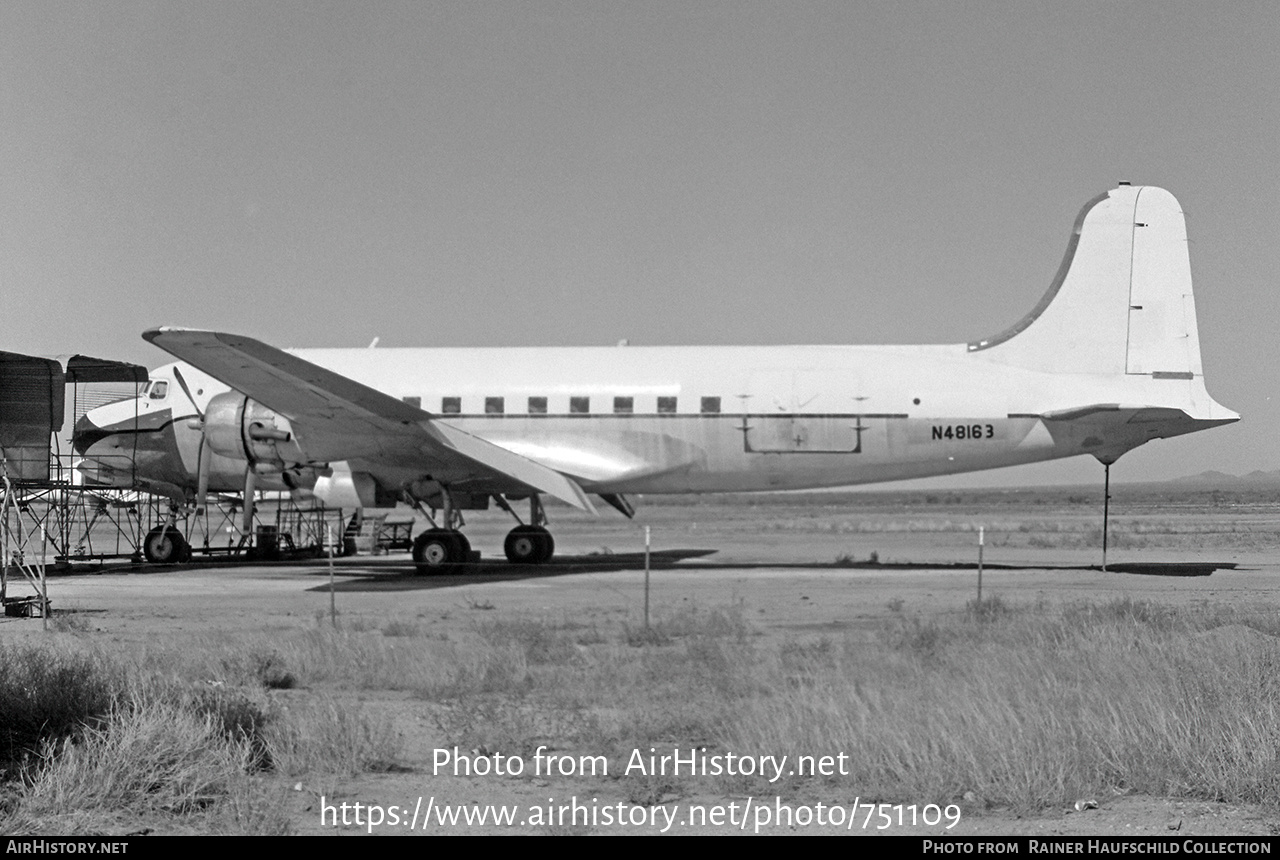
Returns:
(708,419)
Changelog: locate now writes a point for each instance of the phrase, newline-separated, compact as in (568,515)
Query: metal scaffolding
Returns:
(32,395)
(20,554)
(48,516)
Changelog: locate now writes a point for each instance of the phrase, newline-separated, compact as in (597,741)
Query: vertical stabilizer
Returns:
(1163,339)
(1121,302)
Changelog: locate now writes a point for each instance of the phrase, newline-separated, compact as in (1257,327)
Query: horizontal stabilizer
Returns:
(1111,410)
(1108,430)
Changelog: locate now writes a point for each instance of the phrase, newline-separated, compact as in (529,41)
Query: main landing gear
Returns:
(438,551)
(443,549)
(529,545)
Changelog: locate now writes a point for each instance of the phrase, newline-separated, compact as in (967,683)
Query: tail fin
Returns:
(1121,302)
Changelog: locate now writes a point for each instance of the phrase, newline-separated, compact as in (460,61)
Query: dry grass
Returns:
(1022,707)
(153,756)
(1064,532)
(1158,517)
(1030,708)
(94,740)
(49,694)
(1019,706)
(330,737)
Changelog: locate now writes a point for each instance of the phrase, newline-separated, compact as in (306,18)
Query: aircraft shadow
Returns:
(1144,568)
(402,577)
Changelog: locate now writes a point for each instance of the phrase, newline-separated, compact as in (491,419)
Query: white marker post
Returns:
(980,542)
(333,599)
(646,579)
(44,583)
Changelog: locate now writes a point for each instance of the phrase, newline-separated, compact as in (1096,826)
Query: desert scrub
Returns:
(332,737)
(49,695)
(90,737)
(355,659)
(607,692)
(1031,708)
(157,757)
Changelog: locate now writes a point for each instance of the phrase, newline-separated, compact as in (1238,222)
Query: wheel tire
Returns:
(548,547)
(522,546)
(436,551)
(528,545)
(165,545)
(463,547)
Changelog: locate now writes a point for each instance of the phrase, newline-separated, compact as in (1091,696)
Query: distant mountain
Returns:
(1257,476)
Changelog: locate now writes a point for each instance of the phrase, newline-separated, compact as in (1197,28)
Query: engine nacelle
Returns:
(243,429)
(342,488)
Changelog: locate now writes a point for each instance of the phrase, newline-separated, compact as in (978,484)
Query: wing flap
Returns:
(523,469)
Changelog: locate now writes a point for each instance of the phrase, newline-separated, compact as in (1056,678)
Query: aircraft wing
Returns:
(339,418)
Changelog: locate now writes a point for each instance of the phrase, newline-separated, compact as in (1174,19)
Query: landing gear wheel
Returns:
(548,546)
(521,546)
(529,545)
(165,545)
(438,551)
(463,547)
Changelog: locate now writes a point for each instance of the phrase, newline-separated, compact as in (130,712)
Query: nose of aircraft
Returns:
(86,433)
(120,418)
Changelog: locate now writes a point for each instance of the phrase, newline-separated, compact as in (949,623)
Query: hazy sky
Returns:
(540,173)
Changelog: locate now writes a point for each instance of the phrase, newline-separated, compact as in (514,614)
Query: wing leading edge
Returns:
(340,418)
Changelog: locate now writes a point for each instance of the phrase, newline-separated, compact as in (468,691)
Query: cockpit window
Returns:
(159,390)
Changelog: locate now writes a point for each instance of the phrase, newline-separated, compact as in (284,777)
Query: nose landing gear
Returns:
(166,545)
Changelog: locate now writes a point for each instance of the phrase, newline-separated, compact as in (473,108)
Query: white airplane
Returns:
(1108,360)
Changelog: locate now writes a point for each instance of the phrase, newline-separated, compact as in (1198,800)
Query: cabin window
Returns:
(415,402)
(537,406)
(666,406)
(579,405)
(493,406)
(710,405)
(624,405)
(451,405)
(159,390)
